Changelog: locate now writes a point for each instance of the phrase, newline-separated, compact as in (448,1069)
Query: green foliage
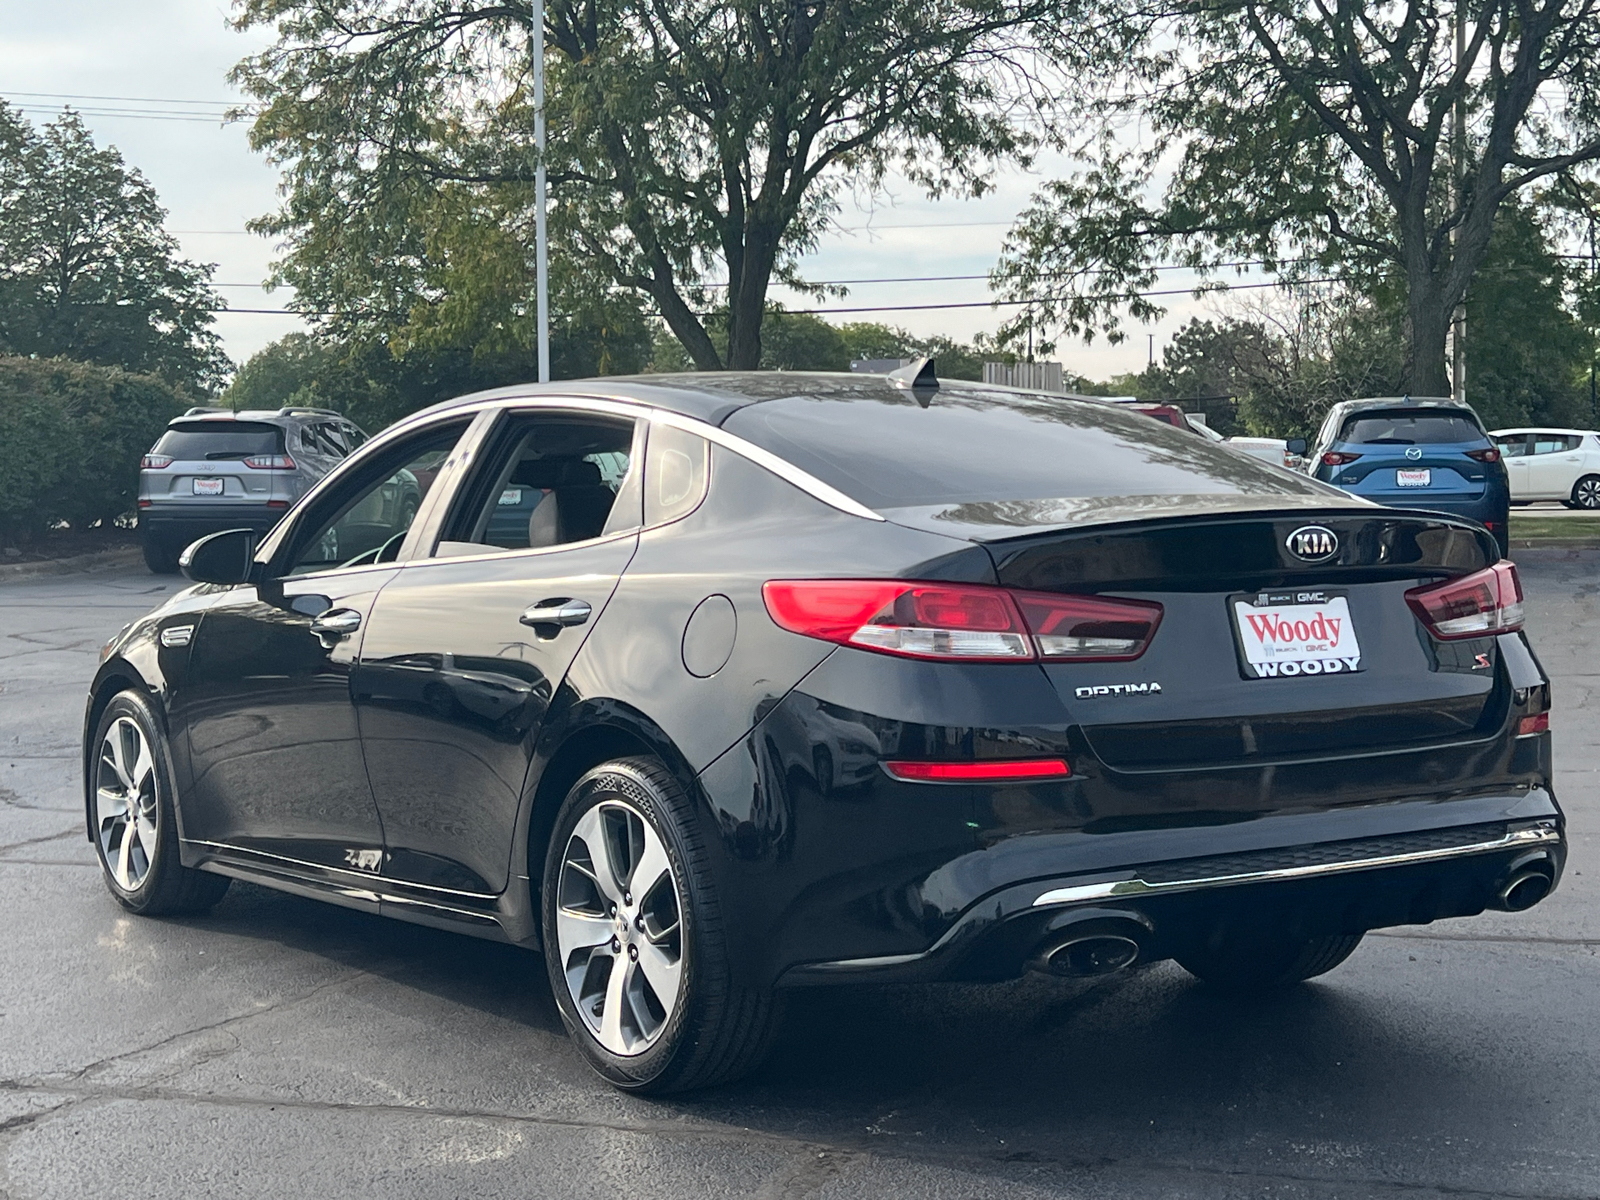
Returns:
(86,270)
(692,143)
(71,436)
(1527,356)
(1315,139)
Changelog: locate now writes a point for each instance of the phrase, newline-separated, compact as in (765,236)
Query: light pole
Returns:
(541,262)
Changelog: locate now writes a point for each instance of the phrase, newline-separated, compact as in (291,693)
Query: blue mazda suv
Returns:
(1415,453)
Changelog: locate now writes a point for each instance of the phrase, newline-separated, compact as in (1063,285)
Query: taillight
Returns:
(1485,602)
(270,462)
(1338,458)
(991,771)
(1538,723)
(920,620)
(1088,627)
(1491,455)
(155,462)
(962,621)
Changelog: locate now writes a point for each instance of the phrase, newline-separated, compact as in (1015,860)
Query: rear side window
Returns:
(211,441)
(1414,428)
(1554,443)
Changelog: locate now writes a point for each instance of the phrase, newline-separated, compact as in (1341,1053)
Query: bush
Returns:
(71,436)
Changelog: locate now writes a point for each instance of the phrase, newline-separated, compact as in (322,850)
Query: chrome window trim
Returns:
(1538,835)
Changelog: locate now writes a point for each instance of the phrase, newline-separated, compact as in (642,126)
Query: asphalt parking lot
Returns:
(278,1047)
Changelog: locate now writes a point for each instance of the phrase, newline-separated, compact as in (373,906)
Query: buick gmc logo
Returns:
(1313,543)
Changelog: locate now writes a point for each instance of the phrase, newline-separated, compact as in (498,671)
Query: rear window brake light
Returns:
(1477,605)
(970,622)
(269,462)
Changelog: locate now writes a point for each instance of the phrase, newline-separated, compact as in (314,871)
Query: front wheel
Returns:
(1261,961)
(634,939)
(136,831)
(1586,492)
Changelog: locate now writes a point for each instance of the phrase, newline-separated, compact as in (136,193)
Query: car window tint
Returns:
(214,440)
(547,480)
(1410,429)
(1548,443)
(366,519)
(889,448)
(334,439)
(1514,446)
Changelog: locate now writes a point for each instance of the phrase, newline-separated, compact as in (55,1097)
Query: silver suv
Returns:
(214,469)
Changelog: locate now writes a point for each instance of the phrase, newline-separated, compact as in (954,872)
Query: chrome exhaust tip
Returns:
(1523,890)
(1090,954)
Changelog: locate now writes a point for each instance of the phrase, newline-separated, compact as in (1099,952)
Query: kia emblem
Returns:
(1413,452)
(1313,543)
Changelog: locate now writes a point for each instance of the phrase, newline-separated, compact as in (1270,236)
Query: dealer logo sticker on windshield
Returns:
(1300,632)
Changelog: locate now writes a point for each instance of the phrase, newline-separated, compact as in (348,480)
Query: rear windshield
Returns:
(1410,429)
(211,440)
(886,450)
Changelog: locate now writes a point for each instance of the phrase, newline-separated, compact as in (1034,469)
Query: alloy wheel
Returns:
(126,803)
(619,927)
(1587,493)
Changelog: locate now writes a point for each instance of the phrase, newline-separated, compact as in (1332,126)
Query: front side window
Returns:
(547,479)
(365,519)
(1513,446)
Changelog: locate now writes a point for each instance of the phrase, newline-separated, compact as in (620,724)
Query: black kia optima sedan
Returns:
(715,686)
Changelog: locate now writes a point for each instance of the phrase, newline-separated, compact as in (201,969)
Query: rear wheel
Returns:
(136,832)
(634,942)
(1586,492)
(1260,961)
(161,558)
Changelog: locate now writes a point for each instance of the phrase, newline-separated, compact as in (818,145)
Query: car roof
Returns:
(1378,402)
(714,396)
(270,416)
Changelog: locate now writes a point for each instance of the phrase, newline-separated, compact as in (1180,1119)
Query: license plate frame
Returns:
(203,486)
(1325,649)
(1413,477)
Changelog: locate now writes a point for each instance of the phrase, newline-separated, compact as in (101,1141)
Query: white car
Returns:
(1268,450)
(1552,464)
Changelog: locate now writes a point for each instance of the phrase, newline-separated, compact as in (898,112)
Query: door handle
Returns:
(559,612)
(338,623)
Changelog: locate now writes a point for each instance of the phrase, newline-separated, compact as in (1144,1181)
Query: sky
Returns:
(149,77)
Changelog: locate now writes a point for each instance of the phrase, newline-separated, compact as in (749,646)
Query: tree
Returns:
(1314,137)
(691,141)
(86,270)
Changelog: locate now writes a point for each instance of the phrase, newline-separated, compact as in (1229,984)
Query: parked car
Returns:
(854,680)
(1269,450)
(1552,464)
(213,469)
(1413,452)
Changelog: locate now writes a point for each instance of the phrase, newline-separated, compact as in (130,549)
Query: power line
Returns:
(123,99)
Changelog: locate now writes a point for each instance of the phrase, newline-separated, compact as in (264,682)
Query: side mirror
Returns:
(224,557)
(1295,445)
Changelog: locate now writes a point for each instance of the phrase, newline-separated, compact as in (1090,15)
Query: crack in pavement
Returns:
(1484,937)
(849,1149)
(51,837)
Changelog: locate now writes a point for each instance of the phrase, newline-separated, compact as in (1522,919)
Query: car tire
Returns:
(134,819)
(1586,493)
(711,1030)
(159,557)
(1259,961)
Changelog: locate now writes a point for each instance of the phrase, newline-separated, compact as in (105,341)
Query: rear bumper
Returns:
(178,525)
(1343,886)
